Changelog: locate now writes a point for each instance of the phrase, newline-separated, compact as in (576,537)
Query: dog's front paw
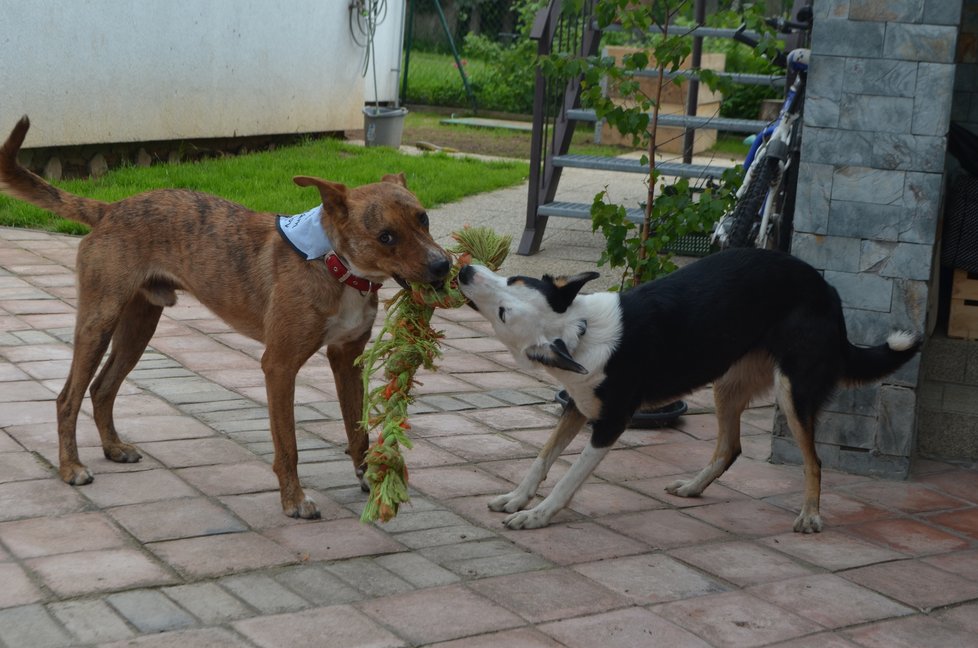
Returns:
(510,502)
(122,453)
(307,510)
(531,519)
(808,522)
(76,474)
(684,488)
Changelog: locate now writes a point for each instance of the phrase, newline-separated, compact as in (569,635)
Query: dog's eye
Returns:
(502,314)
(423,219)
(386,238)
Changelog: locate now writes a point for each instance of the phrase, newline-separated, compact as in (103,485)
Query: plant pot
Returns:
(383,126)
(643,418)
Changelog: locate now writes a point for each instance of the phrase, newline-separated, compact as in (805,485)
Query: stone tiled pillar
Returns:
(869,192)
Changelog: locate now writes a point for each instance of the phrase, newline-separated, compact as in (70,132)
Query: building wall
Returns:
(870,186)
(122,71)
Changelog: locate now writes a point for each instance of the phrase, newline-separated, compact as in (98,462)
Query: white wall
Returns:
(387,47)
(98,71)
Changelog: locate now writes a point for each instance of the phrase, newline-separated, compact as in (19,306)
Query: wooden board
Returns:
(963,318)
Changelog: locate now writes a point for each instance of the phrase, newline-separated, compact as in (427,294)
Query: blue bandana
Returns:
(304,232)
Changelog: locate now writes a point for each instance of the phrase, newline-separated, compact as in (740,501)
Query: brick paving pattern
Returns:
(188,547)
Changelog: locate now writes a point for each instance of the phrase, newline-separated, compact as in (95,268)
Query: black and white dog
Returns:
(739,319)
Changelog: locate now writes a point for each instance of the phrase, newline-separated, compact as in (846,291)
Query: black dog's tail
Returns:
(865,365)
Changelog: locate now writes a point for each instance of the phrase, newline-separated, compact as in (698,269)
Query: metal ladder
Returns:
(557,111)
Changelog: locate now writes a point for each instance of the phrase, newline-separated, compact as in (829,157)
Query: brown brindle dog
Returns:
(142,249)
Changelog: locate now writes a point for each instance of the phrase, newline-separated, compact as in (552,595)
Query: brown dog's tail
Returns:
(18,182)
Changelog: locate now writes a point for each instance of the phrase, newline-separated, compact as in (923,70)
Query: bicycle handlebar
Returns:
(782,25)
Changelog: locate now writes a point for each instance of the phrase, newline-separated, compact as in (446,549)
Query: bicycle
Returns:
(764,203)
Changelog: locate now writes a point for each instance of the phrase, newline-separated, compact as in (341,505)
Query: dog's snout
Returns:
(439,268)
(466,274)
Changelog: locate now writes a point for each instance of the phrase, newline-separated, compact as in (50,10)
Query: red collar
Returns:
(339,270)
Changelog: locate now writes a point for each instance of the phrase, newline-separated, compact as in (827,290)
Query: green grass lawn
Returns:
(263,181)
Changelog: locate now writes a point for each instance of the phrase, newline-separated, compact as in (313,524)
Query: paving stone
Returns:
(41,496)
(91,621)
(137,488)
(86,572)
(409,614)
(347,628)
(831,549)
(197,452)
(150,611)
(735,619)
(829,600)
(441,536)
(914,583)
(208,602)
(31,625)
(370,578)
(913,631)
(263,593)
(233,478)
(620,629)
(177,518)
(221,554)
(417,570)
(46,536)
(194,638)
(17,587)
(333,540)
(317,586)
(548,595)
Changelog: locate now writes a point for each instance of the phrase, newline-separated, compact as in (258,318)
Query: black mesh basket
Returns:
(960,245)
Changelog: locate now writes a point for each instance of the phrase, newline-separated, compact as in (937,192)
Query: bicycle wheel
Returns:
(747,211)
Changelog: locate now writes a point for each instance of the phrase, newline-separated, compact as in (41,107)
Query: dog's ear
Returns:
(567,289)
(559,358)
(396,178)
(332,193)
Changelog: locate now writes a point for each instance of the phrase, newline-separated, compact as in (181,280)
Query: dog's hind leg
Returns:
(132,334)
(349,388)
(802,426)
(567,428)
(94,325)
(731,393)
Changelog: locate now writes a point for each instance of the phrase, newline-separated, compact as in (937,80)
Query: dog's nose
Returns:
(466,273)
(439,269)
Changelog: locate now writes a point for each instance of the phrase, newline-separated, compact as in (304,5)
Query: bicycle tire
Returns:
(746,211)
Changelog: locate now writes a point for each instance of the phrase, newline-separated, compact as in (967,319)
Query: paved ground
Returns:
(188,547)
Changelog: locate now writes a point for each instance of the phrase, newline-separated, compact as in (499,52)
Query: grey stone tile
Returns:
(150,611)
(884,77)
(868,220)
(417,570)
(369,577)
(864,112)
(263,593)
(942,12)
(848,38)
(31,625)
(208,602)
(865,184)
(814,192)
(91,621)
(933,99)
(889,11)
(896,420)
(838,146)
(929,43)
(318,586)
(862,290)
